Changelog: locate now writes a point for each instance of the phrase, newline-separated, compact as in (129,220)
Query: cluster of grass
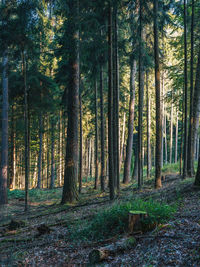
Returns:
(36,195)
(114,221)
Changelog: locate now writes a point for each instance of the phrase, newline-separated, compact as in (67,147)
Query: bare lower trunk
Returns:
(52,183)
(122,141)
(40,152)
(96,139)
(158,183)
(148,129)
(4,140)
(176,145)
(171,135)
(127,164)
(71,162)
(103,170)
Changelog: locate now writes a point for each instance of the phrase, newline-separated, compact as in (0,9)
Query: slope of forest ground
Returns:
(175,242)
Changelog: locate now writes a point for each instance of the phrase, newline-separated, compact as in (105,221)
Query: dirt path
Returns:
(176,244)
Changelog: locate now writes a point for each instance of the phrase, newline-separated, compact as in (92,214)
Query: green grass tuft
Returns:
(114,221)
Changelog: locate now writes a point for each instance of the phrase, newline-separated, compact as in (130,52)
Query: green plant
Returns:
(114,221)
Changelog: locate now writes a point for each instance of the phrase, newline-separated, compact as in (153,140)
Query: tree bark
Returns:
(110,103)
(158,183)
(103,170)
(96,138)
(71,162)
(148,128)
(176,145)
(185,93)
(80,175)
(171,134)
(127,164)
(190,159)
(40,151)
(52,182)
(4,140)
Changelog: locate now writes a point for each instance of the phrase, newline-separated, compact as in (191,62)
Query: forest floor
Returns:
(174,243)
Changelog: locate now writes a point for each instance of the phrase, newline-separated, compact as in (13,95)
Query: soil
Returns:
(177,243)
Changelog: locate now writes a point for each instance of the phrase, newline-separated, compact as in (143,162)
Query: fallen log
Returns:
(100,254)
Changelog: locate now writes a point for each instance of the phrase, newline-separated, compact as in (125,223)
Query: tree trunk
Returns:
(190,159)
(171,135)
(96,138)
(176,145)
(141,99)
(103,170)
(110,104)
(148,128)
(71,162)
(26,134)
(116,99)
(4,140)
(158,183)
(122,141)
(185,93)
(40,151)
(127,164)
(196,109)
(52,182)
(80,175)
(60,148)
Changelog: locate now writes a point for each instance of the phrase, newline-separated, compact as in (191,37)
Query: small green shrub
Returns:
(114,220)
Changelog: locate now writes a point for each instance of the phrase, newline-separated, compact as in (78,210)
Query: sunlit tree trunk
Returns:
(103,170)
(158,183)
(127,164)
(96,138)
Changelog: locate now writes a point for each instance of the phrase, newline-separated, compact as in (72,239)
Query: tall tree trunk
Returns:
(196,108)
(190,159)
(116,98)
(110,103)
(135,169)
(12,181)
(176,145)
(171,134)
(26,134)
(71,162)
(96,138)
(185,93)
(52,183)
(103,170)
(122,141)
(40,151)
(60,148)
(4,140)
(141,99)
(129,146)
(148,128)
(158,183)
(80,175)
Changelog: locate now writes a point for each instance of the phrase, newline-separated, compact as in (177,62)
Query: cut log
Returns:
(98,255)
(136,219)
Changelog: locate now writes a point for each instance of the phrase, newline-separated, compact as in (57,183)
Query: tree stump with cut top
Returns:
(136,219)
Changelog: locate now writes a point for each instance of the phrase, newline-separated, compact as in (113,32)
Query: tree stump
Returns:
(135,220)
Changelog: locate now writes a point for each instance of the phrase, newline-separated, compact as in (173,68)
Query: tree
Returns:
(158,182)
(110,103)
(4,141)
(185,94)
(71,160)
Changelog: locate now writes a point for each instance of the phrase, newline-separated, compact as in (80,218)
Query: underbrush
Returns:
(36,195)
(114,221)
